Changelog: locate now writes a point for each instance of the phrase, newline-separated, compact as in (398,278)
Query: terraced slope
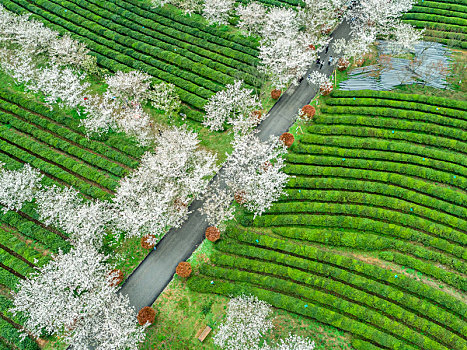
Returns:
(53,143)
(380,186)
(129,34)
(446,21)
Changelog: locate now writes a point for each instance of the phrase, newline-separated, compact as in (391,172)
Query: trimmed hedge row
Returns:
(384,145)
(412,184)
(12,242)
(372,307)
(436,115)
(440,166)
(368,132)
(460,22)
(290,303)
(388,190)
(71,165)
(196,25)
(384,166)
(33,231)
(397,210)
(453,279)
(347,221)
(448,36)
(429,100)
(440,12)
(394,126)
(443,6)
(52,170)
(183,88)
(134,50)
(367,241)
(220,58)
(117,147)
(437,26)
(208,77)
(386,291)
(114,170)
(11,334)
(363,209)
(404,283)
(14,263)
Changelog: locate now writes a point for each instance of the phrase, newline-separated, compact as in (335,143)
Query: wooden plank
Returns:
(204,333)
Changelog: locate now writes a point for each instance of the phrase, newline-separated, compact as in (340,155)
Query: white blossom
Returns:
(18,186)
(66,51)
(233,105)
(217,205)
(155,196)
(164,97)
(285,60)
(254,168)
(30,35)
(84,221)
(252,17)
(72,297)
(292,342)
(188,6)
(245,324)
(131,86)
(405,37)
(217,11)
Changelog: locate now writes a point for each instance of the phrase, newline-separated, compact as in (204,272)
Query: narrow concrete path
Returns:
(155,272)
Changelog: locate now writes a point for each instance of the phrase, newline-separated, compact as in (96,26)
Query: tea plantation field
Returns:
(372,236)
(53,143)
(445,21)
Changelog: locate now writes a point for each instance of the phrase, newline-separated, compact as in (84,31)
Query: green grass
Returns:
(181,313)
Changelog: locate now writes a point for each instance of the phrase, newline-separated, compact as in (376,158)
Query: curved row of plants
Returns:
(365,205)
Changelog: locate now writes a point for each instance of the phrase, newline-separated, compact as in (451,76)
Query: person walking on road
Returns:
(327,48)
(330,60)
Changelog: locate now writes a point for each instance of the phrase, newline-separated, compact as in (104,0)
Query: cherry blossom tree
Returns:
(61,85)
(189,6)
(217,11)
(285,60)
(84,221)
(233,105)
(155,196)
(66,51)
(245,324)
(72,297)
(252,17)
(164,97)
(320,16)
(217,205)
(280,23)
(292,342)
(30,35)
(254,169)
(18,186)
(320,80)
(129,87)
(378,18)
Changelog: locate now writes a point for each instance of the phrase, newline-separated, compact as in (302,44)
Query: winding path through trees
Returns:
(155,272)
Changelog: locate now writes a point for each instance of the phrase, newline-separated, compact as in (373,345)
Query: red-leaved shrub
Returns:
(146,314)
(213,234)
(183,269)
(287,138)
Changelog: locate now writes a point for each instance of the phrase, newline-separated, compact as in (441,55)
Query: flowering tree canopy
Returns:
(84,221)
(252,17)
(164,97)
(217,11)
(73,297)
(233,105)
(254,169)
(18,186)
(217,205)
(189,6)
(155,197)
(245,324)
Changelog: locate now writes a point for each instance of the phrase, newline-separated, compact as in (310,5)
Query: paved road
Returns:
(157,269)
